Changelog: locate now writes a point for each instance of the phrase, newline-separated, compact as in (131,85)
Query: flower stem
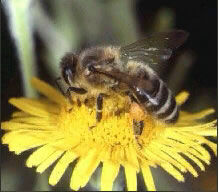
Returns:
(21,30)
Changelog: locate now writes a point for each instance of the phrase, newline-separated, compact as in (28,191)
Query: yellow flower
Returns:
(70,133)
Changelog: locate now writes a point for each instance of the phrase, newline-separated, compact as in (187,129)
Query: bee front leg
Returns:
(69,90)
(99,107)
(75,90)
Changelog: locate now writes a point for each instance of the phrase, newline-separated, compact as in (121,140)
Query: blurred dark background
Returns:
(199,77)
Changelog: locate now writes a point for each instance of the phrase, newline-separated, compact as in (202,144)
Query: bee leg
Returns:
(63,93)
(99,107)
(137,127)
(131,96)
(69,90)
(75,90)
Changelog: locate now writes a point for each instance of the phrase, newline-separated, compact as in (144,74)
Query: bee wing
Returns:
(155,48)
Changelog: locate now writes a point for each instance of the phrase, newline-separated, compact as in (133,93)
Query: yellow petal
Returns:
(184,163)
(30,106)
(182,97)
(152,156)
(61,166)
(49,91)
(117,154)
(105,155)
(132,157)
(185,116)
(86,176)
(175,159)
(19,114)
(194,128)
(49,161)
(196,160)
(209,132)
(109,172)
(9,125)
(41,121)
(17,143)
(198,155)
(66,143)
(84,169)
(131,178)
(148,178)
(213,146)
(190,141)
(168,155)
(40,155)
(51,106)
(195,142)
(172,171)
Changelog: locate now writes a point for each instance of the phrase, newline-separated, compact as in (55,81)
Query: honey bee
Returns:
(101,71)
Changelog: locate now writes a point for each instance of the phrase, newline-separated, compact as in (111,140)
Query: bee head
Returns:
(68,65)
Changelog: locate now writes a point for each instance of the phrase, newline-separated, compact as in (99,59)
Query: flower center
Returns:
(115,128)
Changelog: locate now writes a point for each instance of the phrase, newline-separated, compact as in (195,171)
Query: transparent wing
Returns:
(155,48)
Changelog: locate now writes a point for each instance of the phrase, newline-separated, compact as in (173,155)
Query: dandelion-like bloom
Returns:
(65,134)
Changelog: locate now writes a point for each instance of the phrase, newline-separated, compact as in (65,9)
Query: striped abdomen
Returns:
(155,97)
(150,91)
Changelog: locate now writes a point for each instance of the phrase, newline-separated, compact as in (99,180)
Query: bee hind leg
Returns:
(137,127)
(99,107)
(137,130)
